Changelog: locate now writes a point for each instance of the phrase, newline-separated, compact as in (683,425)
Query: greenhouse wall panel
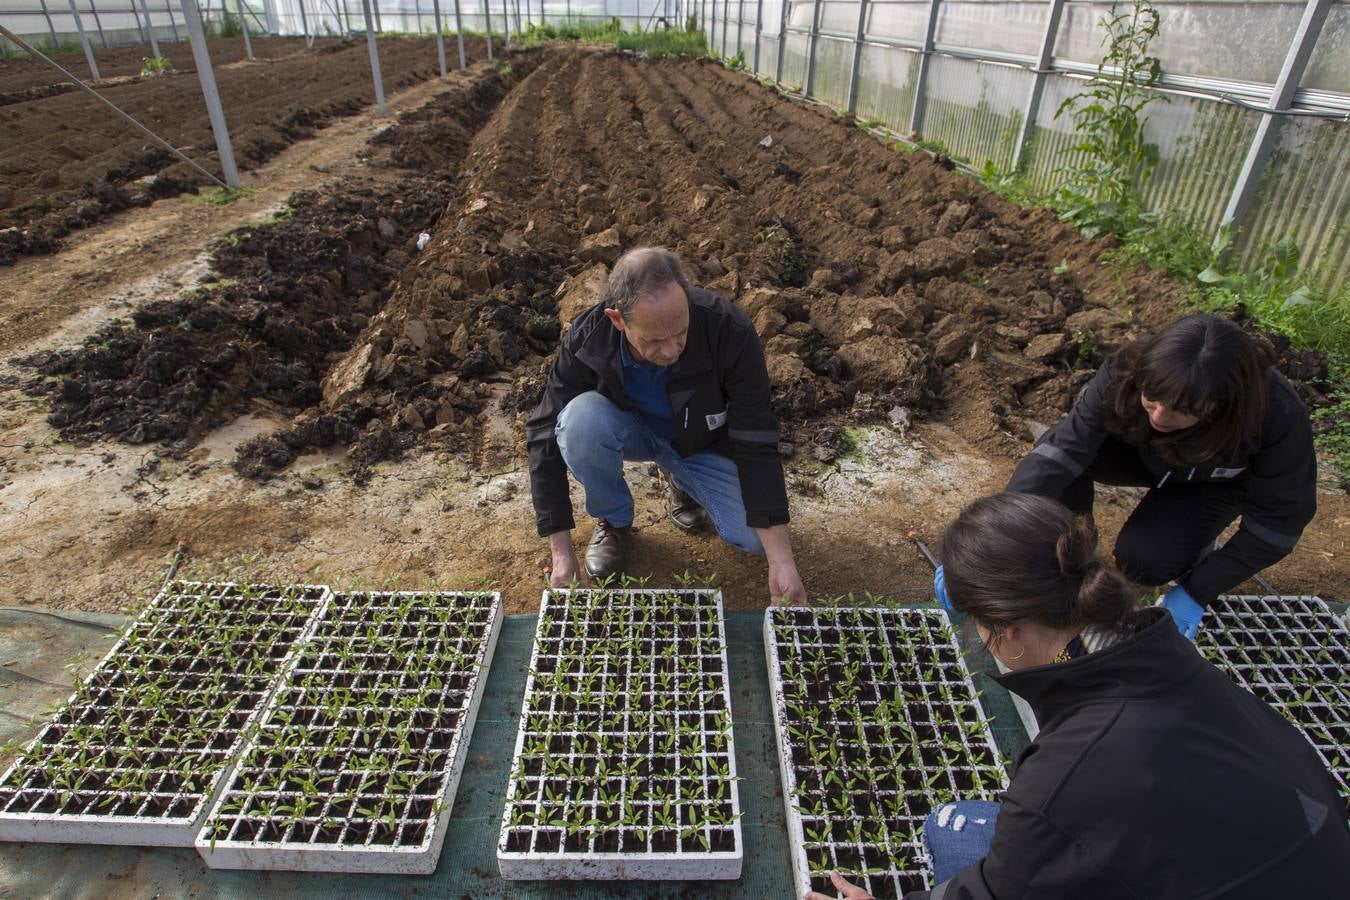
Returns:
(834,66)
(1302,196)
(886,79)
(975,109)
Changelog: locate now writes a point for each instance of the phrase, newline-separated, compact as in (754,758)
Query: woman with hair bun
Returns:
(1197,415)
(1153,777)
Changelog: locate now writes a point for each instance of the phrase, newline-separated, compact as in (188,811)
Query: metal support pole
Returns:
(1032,111)
(459,32)
(740,21)
(374,57)
(852,106)
(150,28)
(207,76)
(140,29)
(726,25)
(808,90)
(173,23)
(98,23)
(417,7)
(1281,98)
(304,20)
(759,22)
(84,42)
(270,14)
(440,38)
(50,27)
(379,24)
(782,41)
(243,26)
(347,15)
(487,20)
(506,26)
(920,83)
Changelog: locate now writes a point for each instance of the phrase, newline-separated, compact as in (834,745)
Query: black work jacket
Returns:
(1155,777)
(1273,478)
(719,395)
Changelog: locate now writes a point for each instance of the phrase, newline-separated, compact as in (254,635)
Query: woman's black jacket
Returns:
(1273,478)
(1154,777)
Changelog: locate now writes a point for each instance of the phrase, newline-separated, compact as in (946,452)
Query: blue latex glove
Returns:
(940,589)
(1185,611)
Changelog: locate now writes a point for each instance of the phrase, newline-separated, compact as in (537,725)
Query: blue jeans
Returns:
(596,437)
(957,835)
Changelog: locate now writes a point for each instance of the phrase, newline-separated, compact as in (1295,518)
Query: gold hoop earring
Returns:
(1019,656)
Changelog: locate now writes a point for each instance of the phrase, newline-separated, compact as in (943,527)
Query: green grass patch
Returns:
(585,32)
(663,43)
(221,196)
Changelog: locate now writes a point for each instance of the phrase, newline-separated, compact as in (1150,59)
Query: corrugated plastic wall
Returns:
(975,107)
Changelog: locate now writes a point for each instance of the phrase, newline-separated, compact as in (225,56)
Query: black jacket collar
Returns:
(1150,662)
(600,350)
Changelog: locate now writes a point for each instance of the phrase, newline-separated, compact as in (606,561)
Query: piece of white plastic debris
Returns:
(944,814)
(959,823)
(767,141)
(422,240)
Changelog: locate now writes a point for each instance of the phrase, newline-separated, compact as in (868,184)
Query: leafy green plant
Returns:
(789,260)
(1100,190)
(152,66)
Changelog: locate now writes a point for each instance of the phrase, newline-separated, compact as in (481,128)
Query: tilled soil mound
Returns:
(290,298)
(884,286)
(68,162)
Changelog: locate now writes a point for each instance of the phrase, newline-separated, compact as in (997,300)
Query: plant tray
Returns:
(139,749)
(1293,653)
(356,764)
(624,766)
(878,723)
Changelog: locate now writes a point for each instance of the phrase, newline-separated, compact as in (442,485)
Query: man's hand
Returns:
(565,571)
(850,891)
(785,585)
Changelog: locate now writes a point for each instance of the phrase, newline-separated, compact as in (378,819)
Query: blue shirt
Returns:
(646,387)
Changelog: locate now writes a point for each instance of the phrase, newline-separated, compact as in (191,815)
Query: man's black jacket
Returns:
(1155,777)
(1273,478)
(719,393)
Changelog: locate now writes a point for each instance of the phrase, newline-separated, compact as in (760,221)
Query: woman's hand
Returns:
(850,891)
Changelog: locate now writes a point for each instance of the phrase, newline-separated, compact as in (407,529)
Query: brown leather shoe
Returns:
(683,509)
(604,554)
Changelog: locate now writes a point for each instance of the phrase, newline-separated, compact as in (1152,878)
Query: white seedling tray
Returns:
(855,800)
(168,803)
(631,765)
(341,685)
(1294,653)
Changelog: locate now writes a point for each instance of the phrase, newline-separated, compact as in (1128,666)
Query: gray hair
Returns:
(641,271)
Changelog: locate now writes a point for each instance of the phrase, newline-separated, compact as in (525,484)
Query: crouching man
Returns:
(666,372)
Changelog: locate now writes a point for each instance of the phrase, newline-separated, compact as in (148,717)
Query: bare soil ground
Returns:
(318,393)
(23,78)
(67,162)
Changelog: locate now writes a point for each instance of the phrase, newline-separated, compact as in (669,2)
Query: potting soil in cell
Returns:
(1293,653)
(878,725)
(135,754)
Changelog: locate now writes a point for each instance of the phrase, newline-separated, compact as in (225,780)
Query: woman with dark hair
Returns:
(1198,415)
(1154,776)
